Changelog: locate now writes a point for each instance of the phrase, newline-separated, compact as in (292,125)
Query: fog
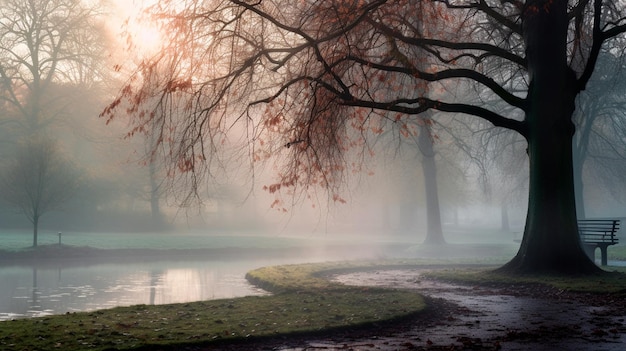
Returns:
(481,181)
(385,201)
(106,187)
(385,204)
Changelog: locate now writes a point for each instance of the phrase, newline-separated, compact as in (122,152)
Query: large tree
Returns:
(317,78)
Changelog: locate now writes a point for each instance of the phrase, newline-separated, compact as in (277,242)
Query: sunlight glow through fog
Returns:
(145,35)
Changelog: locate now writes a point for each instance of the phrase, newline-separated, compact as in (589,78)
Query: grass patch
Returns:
(617,252)
(615,282)
(303,302)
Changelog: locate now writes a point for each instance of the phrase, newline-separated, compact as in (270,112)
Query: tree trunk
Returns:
(434,232)
(158,222)
(579,186)
(551,243)
(35,227)
(505,225)
(580,146)
(155,196)
(455,214)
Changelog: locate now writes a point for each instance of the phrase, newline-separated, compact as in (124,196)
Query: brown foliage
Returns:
(309,83)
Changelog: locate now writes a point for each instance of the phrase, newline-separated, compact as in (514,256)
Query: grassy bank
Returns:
(612,283)
(303,302)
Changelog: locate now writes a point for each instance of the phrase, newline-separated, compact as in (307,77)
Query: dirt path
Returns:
(475,318)
(506,319)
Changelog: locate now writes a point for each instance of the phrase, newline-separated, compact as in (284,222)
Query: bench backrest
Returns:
(598,230)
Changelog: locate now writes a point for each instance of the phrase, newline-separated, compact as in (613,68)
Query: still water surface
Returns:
(32,292)
(58,287)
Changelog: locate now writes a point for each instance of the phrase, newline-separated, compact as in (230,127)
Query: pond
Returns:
(68,285)
(57,286)
(28,291)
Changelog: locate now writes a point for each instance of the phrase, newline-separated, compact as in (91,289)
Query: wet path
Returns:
(508,321)
(476,318)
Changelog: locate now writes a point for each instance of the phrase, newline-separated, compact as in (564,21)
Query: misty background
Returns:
(108,181)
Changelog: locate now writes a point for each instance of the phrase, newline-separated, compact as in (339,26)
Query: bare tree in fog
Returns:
(425,145)
(53,81)
(599,149)
(437,152)
(312,81)
(500,159)
(155,192)
(38,180)
(44,43)
(418,152)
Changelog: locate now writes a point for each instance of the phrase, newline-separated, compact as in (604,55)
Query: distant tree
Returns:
(53,81)
(38,180)
(156,189)
(500,159)
(43,44)
(434,148)
(318,77)
(425,145)
(599,149)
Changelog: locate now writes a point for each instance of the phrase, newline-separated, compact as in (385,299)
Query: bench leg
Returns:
(603,255)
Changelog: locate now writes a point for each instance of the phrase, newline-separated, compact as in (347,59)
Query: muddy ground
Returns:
(474,318)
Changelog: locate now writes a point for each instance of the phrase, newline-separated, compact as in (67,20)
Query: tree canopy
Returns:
(312,81)
(45,43)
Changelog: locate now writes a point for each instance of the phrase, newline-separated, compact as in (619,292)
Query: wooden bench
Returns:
(596,233)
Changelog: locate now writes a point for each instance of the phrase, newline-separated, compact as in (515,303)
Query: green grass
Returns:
(304,302)
(617,252)
(614,282)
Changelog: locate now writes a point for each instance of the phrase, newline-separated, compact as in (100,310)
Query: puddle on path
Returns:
(488,319)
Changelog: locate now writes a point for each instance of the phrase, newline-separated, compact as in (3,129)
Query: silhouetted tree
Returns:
(599,150)
(38,180)
(319,77)
(44,43)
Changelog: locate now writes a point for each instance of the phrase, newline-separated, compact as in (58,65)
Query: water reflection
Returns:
(33,292)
